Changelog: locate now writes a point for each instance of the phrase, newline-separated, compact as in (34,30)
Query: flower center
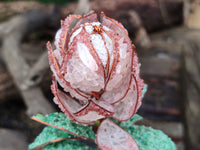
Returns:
(97,29)
(97,95)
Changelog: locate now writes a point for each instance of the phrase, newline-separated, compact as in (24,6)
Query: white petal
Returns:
(75,34)
(86,57)
(99,46)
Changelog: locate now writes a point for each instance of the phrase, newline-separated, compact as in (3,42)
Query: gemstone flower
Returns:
(95,68)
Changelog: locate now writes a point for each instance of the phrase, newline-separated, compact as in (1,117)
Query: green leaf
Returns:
(47,135)
(150,139)
(144,90)
(67,145)
(60,121)
(46,140)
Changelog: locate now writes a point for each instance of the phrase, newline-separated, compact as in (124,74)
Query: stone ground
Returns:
(12,140)
(16,128)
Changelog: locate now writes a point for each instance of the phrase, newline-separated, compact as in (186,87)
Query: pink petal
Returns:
(119,81)
(89,18)
(82,66)
(118,28)
(55,67)
(93,112)
(64,31)
(136,73)
(65,102)
(87,113)
(104,105)
(112,137)
(115,26)
(127,107)
(119,86)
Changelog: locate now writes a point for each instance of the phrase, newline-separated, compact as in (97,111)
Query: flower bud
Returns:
(95,70)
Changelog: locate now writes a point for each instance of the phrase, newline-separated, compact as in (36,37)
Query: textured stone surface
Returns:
(163,100)
(160,65)
(193,20)
(173,129)
(180,146)
(191,93)
(12,140)
(160,72)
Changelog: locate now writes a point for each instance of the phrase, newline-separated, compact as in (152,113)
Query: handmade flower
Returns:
(95,68)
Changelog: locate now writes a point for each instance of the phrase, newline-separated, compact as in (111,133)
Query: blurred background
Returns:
(167,38)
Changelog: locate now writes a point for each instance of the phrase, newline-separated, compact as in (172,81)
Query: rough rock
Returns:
(193,20)
(12,140)
(191,95)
